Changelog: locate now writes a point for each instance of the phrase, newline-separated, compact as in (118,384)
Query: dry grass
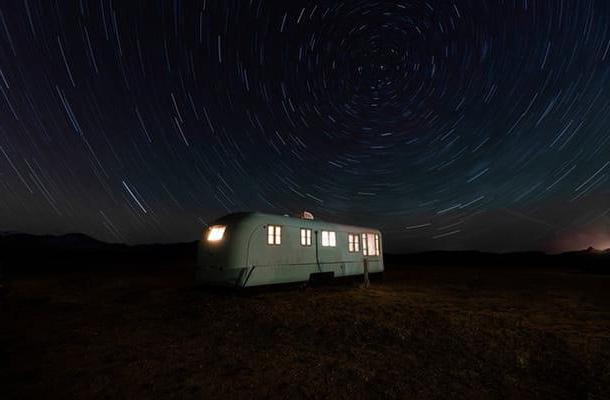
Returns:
(424,333)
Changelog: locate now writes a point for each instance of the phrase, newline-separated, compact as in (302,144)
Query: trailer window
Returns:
(353,242)
(216,232)
(274,234)
(305,237)
(329,239)
(377,244)
(365,250)
(370,244)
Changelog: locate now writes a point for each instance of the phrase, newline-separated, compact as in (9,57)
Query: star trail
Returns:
(472,124)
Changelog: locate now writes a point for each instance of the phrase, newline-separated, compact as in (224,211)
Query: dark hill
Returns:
(591,261)
(69,242)
(21,253)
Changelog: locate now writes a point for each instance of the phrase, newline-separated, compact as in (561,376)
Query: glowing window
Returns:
(370,244)
(377,244)
(329,239)
(365,250)
(215,233)
(353,242)
(274,234)
(305,237)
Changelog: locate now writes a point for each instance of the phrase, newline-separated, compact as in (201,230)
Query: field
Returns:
(423,332)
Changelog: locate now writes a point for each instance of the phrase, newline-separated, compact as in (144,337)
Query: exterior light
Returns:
(216,232)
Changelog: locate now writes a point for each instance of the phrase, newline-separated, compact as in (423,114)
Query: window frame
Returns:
(331,237)
(274,235)
(353,242)
(215,233)
(307,237)
(366,250)
(377,246)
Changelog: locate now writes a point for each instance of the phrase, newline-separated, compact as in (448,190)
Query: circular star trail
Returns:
(449,125)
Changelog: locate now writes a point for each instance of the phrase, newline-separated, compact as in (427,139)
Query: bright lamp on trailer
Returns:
(216,232)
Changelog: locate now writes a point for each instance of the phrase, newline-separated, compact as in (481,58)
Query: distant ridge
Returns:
(26,252)
(81,240)
(70,241)
(592,261)
(22,250)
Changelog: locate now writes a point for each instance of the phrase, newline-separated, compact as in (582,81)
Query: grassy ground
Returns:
(424,332)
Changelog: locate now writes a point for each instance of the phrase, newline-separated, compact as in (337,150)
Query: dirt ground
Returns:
(422,332)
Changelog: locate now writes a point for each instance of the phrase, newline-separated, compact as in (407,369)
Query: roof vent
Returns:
(306,215)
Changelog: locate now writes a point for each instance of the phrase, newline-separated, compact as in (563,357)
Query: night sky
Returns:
(471,124)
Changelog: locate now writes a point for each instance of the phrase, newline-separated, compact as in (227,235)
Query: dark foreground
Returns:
(424,332)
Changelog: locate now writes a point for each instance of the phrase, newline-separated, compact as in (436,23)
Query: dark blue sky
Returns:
(478,124)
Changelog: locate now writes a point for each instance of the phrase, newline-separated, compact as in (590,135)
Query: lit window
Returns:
(305,237)
(365,250)
(370,244)
(274,234)
(216,232)
(377,244)
(353,242)
(329,239)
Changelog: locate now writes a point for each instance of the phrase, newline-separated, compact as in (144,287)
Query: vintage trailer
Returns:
(252,249)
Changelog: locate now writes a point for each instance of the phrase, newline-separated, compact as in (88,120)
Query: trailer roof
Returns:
(289,220)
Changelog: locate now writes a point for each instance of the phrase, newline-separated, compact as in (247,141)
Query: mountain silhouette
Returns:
(21,251)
